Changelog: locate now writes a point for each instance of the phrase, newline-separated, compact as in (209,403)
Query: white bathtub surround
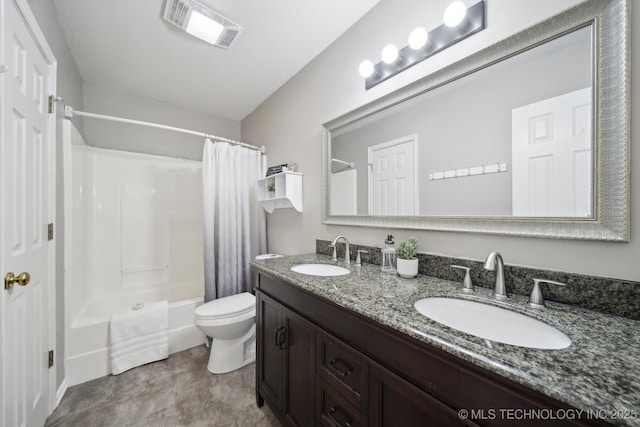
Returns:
(344,192)
(234,223)
(133,233)
(139,335)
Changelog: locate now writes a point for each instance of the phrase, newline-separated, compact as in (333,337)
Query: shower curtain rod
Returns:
(69,112)
(342,162)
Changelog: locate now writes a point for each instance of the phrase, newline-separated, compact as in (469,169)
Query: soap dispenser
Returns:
(388,256)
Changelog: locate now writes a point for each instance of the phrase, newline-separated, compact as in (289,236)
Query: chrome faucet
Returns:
(494,263)
(467,284)
(359,258)
(536,300)
(347,256)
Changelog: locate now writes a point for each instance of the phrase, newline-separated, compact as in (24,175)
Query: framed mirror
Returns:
(527,137)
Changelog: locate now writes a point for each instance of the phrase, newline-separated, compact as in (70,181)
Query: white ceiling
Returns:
(126,45)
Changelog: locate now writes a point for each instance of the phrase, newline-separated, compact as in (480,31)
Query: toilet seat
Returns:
(226,310)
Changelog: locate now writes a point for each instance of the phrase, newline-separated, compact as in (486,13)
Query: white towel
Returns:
(139,336)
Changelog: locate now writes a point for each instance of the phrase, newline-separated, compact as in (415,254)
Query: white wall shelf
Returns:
(288,193)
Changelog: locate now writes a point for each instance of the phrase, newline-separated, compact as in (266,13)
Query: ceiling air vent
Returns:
(202,22)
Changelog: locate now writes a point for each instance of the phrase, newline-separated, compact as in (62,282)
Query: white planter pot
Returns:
(407,268)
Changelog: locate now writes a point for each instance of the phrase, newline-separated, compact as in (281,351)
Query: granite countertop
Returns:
(599,372)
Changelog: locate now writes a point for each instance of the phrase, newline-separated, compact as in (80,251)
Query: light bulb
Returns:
(418,38)
(389,54)
(454,13)
(204,27)
(366,68)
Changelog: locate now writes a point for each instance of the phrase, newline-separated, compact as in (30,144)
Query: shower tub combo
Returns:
(133,234)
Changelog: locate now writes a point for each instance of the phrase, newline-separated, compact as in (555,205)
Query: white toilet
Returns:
(231,322)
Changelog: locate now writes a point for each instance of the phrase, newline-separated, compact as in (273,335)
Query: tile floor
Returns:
(175,392)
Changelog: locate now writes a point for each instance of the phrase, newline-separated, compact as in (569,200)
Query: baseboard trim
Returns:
(61,391)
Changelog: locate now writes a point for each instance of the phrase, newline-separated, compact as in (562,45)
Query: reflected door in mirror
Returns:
(552,158)
(393,184)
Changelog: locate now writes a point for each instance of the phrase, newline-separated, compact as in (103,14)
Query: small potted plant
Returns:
(271,190)
(407,263)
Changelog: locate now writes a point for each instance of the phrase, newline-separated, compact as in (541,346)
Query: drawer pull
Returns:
(332,411)
(333,363)
(278,331)
(280,338)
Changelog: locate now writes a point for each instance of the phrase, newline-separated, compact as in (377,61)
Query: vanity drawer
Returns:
(333,410)
(343,368)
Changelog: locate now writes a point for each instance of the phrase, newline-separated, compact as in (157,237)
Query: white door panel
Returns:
(551,153)
(393,177)
(26,177)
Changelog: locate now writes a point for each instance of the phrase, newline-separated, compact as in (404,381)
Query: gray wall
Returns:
(121,136)
(70,89)
(289,124)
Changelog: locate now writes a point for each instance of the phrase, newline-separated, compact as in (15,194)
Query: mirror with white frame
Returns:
(526,137)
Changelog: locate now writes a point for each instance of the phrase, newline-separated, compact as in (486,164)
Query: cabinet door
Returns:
(300,362)
(396,402)
(285,375)
(270,369)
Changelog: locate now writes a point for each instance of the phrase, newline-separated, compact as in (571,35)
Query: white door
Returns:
(26,153)
(552,157)
(393,177)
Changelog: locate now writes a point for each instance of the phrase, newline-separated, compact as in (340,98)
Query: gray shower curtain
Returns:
(234,223)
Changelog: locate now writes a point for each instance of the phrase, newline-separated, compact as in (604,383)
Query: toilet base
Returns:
(229,355)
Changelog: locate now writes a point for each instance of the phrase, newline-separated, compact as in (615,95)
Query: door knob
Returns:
(21,279)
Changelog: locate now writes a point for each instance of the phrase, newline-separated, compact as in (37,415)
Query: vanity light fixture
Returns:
(389,54)
(459,23)
(454,14)
(366,68)
(202,22)
(418,38)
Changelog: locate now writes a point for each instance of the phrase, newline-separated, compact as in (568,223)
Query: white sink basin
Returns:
(320,269)
(492,323)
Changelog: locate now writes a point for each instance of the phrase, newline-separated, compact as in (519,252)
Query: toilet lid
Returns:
(228,306)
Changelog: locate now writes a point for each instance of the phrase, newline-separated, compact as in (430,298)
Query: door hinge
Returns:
(50,358)
(50,231)
(52,102)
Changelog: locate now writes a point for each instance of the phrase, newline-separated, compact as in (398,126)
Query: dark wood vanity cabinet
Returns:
(321,365)
(286,369)
(342,383)
(397,402)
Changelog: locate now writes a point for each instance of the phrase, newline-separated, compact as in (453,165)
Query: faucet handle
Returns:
(536,299)
(358,259)
(334,256)
(467,284)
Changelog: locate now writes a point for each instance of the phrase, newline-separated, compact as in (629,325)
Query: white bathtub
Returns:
(88,336)
(133,234)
